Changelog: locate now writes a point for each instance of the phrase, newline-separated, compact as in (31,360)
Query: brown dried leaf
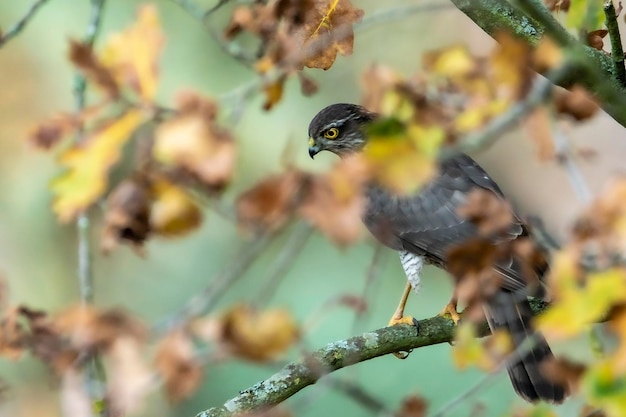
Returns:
(308,86)
(270,203)
(563,371)
(89,328)
(173,212)
(327,31)
(547,55)
(129,378)
(127,219)
(413,406)
(334,202)
(13,336)
(258,335)
(557,5)
(595,38)
(538,126)
(83,58)
(193,141)
(490,213)
(180,370)
(576,102)
(50,132)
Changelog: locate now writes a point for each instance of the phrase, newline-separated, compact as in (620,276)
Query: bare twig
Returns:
(373,273)
(220,283)
(359,395)
(617,53)
(293,247)
(21,24)
(96,376)
(300,374)
(539,93)
(576,178)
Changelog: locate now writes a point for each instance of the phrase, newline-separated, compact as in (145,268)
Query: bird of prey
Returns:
(424,226)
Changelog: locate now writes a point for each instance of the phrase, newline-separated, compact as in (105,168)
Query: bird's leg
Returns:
(399,318)
(450,309)
(398,315)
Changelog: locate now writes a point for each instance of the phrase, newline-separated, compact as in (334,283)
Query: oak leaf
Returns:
(258,335)
(173,211)
(176,363)
(88,163)
(132,55)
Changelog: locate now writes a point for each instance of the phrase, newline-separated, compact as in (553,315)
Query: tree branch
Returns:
(617,53)
(307,371)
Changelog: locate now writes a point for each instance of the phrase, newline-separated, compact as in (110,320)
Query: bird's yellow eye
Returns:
(331,133)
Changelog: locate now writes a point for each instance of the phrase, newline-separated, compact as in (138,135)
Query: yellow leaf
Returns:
(259,335)
(579,306)
(88,164)
(469,350)
(605,387)
(194,142)
(173,211)
(451,62)
(404,161)
(133,54)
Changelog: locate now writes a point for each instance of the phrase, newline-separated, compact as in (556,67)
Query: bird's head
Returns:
(338,128)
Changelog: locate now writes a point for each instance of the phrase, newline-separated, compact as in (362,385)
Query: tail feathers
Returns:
(507,311)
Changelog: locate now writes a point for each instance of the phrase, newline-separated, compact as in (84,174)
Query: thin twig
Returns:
(373,273)
(96,375)
(293,247)
(220,283)
(539,93)
(574,174)
(359,395)
(617,53)
(21,24)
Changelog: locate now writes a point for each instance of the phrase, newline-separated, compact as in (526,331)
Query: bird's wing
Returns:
(428,224)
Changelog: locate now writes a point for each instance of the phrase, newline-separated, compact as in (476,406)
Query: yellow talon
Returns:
(401,320)
(449,311)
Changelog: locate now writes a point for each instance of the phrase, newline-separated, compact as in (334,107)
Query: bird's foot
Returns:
(449,311)
(396,320)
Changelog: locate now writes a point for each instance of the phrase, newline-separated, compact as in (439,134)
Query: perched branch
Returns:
(21,24)
(307,371)
(617,53)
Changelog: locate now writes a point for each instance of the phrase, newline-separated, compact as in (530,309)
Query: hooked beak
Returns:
(314,149)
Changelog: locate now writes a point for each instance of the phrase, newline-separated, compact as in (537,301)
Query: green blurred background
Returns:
(38,255)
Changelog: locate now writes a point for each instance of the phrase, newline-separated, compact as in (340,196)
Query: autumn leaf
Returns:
(413,406)
(176,363)
(258,335)
(452,62)
(194,142)
(88,163)
(133,54)
(334,201)
(403,161)
(127,218)
(271,202)
(577,103)
(327,31)
(81,55)
(90,328)
(604,386)
(539,128)
(173,212)
(579,306)
(469,350)
(129,379)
